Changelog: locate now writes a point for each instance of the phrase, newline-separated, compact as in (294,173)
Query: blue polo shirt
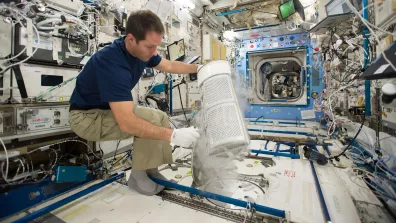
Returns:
(109,76)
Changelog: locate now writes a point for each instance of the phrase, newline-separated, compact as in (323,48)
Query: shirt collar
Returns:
(123,47)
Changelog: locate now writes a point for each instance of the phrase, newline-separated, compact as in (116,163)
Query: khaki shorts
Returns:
(100,125)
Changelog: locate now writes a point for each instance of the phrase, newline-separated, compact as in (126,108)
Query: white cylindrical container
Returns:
(223,124)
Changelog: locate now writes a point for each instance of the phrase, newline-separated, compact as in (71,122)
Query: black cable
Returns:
(174,148)
(64,155)
(101,150)
(177,85)
(261,117)
(31,161)
(115,153)
(350,142)
(172,122)
(181,102)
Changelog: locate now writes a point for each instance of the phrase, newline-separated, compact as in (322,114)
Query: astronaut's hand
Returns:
(184,137)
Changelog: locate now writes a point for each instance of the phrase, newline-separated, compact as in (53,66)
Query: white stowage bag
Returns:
(223,133)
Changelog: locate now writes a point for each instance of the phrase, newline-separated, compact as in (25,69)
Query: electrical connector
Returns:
(44,148)
(173,167)
(369,160)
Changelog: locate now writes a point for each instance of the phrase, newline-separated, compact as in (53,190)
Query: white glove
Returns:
(184,137)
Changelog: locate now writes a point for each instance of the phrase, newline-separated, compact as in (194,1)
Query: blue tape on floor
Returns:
(321,197)
(67,200)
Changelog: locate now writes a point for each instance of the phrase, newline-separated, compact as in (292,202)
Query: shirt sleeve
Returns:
(114,78)
(154,61)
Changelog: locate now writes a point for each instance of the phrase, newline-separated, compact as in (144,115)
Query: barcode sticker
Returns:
(381,69)
(112,197)
(308,114)
(85,60)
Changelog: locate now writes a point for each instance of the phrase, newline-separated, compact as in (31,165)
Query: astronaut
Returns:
(102,107)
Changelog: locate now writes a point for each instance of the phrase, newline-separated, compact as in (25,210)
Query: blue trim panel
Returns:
(321,197)
(69,199)
(265,147)
(34,193)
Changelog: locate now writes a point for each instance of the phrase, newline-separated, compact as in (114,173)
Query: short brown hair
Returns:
(143,21)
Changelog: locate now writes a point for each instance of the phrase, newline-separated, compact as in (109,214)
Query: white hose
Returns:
(5,175)
(41,24)
(38,39)
(58,18)
(365,22)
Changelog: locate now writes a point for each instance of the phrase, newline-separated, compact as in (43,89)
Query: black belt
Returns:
(85,108)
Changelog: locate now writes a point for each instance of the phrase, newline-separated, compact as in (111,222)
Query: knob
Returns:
(389,93)
(19,127)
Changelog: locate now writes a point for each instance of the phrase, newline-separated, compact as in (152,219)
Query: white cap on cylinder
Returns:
(213,68)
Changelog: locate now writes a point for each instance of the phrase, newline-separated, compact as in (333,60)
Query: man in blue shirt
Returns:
(102,107)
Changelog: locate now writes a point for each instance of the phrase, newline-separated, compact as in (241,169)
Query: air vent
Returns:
(195,22)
